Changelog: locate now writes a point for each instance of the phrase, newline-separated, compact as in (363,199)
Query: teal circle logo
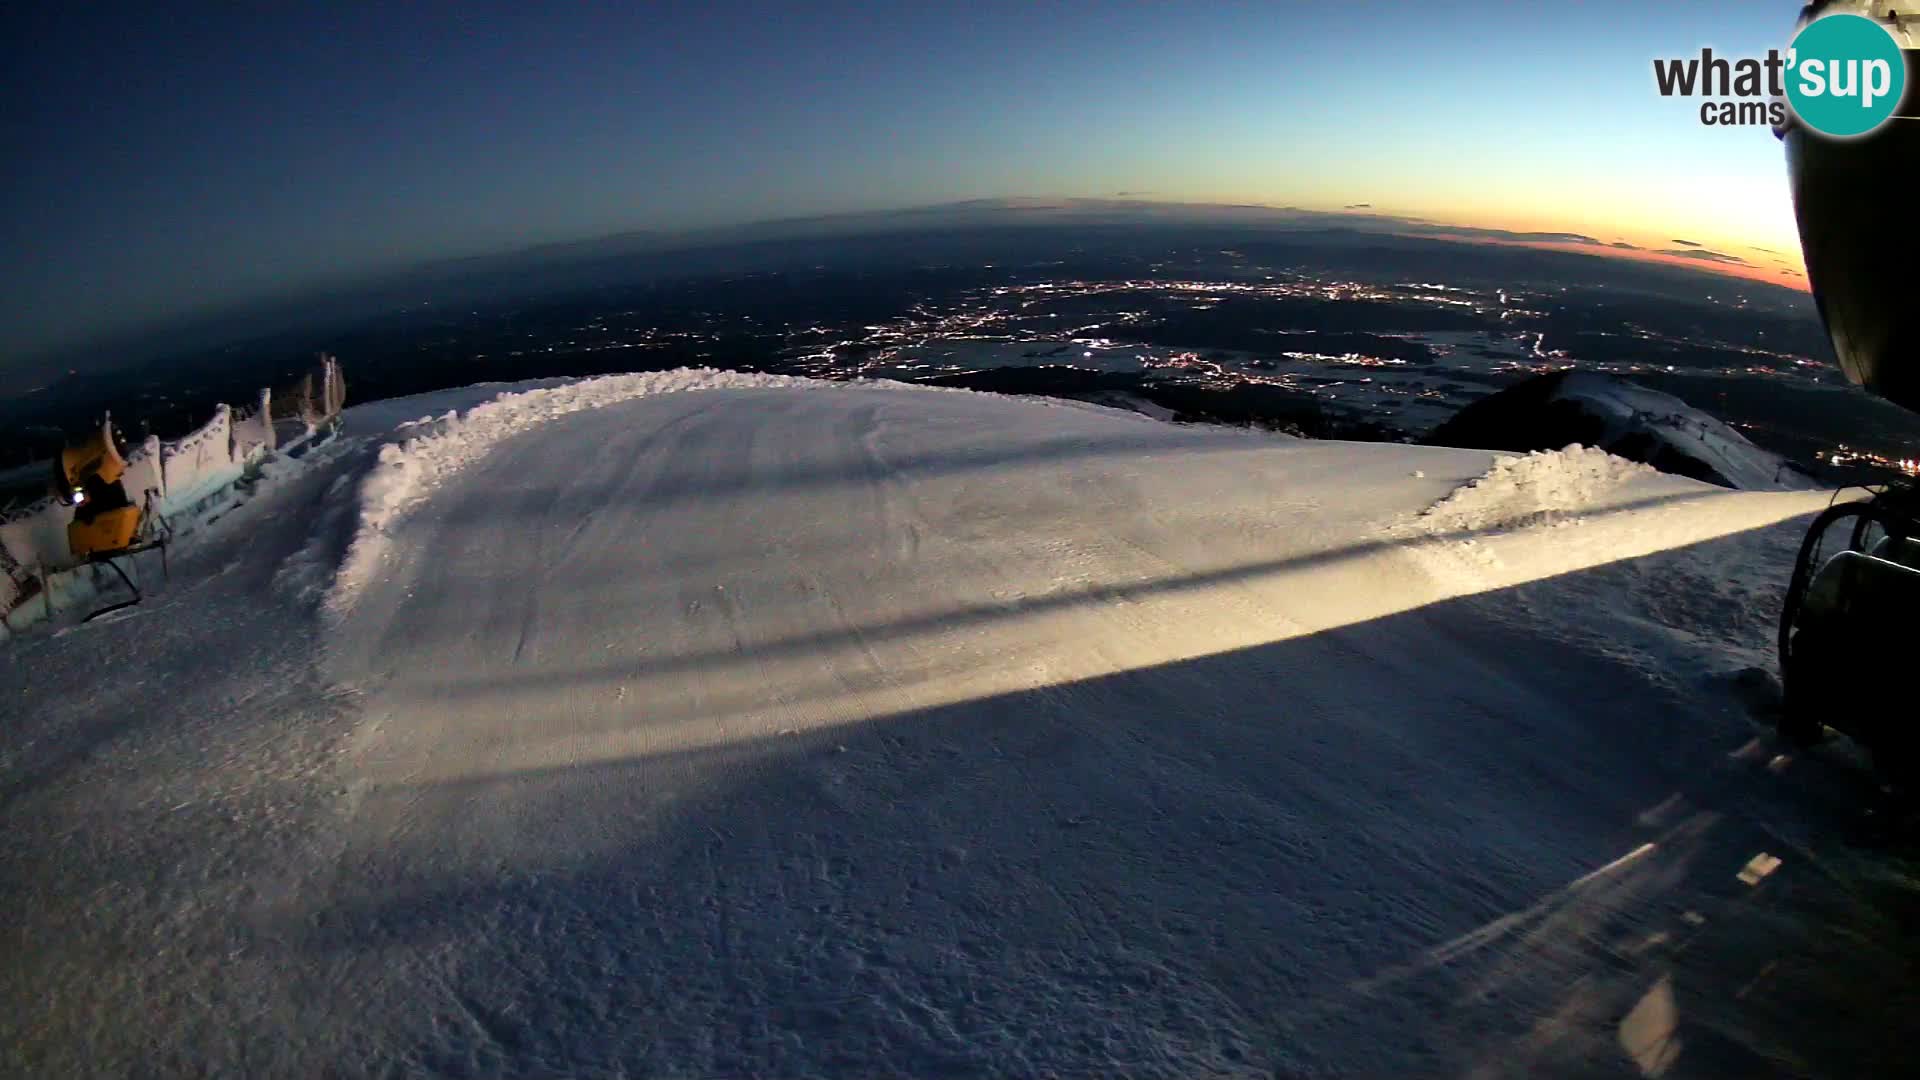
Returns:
(1845,75)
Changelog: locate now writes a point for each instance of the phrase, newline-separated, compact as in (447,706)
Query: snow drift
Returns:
(429,450)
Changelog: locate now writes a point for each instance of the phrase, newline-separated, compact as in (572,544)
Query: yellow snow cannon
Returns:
(105,520)
(89,476)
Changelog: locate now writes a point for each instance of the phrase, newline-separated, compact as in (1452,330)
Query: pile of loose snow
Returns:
(1537,488)
(1554,514)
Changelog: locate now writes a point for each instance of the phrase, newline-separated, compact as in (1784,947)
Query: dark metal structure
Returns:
(1846,627)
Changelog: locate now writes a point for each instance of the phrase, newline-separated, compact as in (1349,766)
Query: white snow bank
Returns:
(432,449)
(374,418)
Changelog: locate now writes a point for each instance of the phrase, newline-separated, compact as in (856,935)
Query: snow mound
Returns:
(1538,488)
(429,450)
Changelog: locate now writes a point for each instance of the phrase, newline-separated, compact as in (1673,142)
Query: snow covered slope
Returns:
(1550,411)
(692,724)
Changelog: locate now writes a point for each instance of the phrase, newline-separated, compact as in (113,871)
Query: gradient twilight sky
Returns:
(163,158)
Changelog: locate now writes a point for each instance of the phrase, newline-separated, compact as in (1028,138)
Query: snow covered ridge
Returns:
(432,450)
(1668,432)
(1624,418)
(429,450)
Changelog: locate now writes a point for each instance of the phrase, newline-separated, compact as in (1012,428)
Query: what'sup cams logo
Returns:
(1846,72)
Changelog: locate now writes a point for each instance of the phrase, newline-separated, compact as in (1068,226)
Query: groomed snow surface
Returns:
(701,724)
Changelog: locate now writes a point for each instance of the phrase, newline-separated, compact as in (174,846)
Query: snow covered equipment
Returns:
(1845,626)
(107,524)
